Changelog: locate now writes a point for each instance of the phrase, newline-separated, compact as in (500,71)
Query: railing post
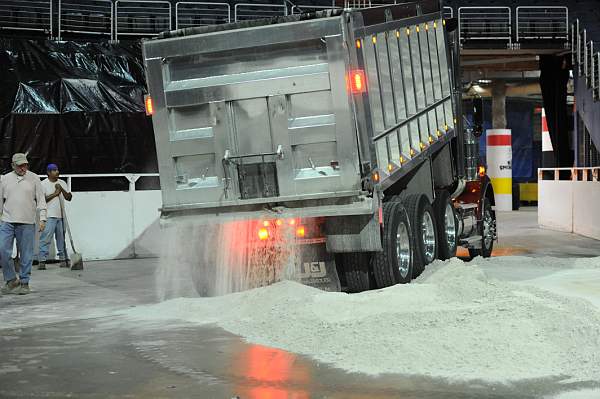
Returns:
(52,20)
(59,18)
(132,180)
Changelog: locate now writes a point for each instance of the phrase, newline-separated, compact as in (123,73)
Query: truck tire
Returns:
(424,231)
(394,264)
(355,266)
(486,230)
(447,223)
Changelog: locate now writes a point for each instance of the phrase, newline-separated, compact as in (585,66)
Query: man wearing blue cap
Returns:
(55,190)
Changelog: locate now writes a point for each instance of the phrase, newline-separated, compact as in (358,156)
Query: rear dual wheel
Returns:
(411,239)
(356,273)
(424,230)
(447,223)
(394,265)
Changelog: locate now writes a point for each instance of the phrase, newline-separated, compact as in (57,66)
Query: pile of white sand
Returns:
(453,322)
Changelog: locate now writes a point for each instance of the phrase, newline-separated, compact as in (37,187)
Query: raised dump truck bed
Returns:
(323,115)
(261,112)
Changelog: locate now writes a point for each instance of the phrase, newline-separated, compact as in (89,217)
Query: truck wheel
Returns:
(423,222)
(394,264)
(356,270)
(446,226)
(487,229)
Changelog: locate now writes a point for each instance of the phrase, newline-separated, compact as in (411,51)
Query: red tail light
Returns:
(358,82)
(481,170)
(149,105)
(263,234)
(300,232)
(376,177)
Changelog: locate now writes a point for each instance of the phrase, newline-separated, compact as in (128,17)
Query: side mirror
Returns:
(477,116)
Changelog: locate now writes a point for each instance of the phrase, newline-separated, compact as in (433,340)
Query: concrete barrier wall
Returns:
(115,225)
(570,205)
(555,205)
(586,208)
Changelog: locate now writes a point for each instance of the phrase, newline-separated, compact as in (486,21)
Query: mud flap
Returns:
(317,268)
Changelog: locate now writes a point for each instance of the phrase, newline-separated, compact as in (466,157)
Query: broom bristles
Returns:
(76,261)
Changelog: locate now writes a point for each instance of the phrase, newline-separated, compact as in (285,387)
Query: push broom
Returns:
(76,258)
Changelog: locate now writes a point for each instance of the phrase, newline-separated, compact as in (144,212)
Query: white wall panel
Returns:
(555,205)
(586,208)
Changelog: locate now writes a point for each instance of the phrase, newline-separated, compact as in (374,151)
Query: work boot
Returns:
(23,289)
(11,287)
(41,266)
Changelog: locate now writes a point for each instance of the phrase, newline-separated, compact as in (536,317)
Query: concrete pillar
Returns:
(498,104)
(499,150)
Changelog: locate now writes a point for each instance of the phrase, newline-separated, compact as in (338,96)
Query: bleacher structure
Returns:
(119,19)
(586,63)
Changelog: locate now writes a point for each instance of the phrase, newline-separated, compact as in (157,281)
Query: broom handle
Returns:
(66,222)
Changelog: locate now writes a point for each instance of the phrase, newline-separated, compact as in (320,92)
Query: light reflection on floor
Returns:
(275,373)
(503,251)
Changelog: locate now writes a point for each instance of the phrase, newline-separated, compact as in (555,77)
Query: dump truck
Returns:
(339,132)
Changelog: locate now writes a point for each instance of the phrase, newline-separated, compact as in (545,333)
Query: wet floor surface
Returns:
(63,340)
(103,358)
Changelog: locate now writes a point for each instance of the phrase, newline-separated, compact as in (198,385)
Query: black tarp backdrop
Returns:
(79,105)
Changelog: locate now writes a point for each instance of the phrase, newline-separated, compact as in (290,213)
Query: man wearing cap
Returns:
(56,190)
(21,197)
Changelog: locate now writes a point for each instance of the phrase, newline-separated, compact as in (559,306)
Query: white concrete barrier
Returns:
(115,224)
(569,202)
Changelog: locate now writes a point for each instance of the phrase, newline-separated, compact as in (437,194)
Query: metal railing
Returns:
(28,15)
(589,56)
(542,22)
(305,9)
(448,12)
(141,17)
(596,79)
(85,16)
(485,23)
(131,178)
(249,11)
(581,40)
(194,13)
(574,41)
(576,174)
(368,3)
(118,18)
